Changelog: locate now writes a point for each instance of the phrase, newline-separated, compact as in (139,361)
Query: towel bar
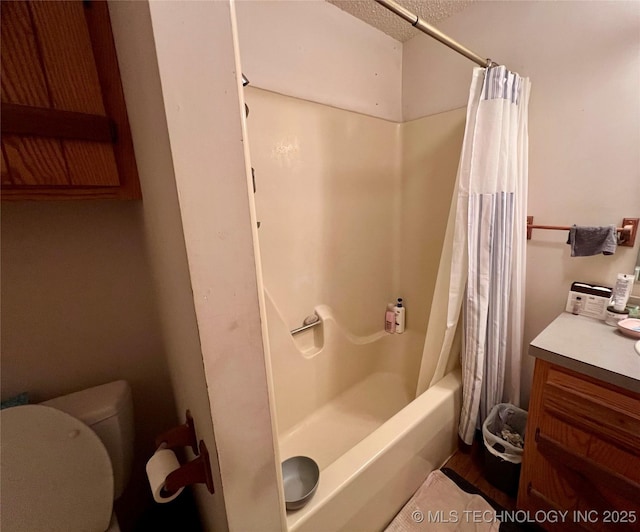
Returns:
(627,232)
(305,327)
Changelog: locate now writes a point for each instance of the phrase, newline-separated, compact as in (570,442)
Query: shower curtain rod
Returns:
(433,32)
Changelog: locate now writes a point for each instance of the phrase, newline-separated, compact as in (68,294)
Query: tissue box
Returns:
(594,299)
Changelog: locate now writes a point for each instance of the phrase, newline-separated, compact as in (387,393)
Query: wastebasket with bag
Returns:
(503,433)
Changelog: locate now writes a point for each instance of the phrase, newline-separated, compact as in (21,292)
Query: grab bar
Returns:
(309,321)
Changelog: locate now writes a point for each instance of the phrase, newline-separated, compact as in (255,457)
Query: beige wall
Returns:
(352,208)
(196,48)
(327,199)
(430,151)
(79,309)
(584,124)
(313,50)
(134,39)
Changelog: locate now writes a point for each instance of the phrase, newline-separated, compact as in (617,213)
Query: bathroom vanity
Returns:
(582,452)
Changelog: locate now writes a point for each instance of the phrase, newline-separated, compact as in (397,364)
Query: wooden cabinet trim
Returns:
(104,53)
(89,169)
(45,122)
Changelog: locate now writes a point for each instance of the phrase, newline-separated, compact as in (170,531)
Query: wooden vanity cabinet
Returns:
(583,451)
(65,131)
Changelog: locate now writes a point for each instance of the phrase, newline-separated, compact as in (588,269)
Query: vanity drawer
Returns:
(608,412)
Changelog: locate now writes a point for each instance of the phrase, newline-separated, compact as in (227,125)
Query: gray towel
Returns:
(587,241)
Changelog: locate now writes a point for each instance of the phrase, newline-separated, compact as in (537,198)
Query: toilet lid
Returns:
(56,473)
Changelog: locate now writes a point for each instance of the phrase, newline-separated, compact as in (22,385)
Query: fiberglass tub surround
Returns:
(353,212)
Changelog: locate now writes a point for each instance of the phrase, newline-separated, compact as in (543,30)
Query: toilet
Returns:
(66,460)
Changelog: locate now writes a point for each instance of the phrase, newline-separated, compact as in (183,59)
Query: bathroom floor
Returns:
(180,514)
(468,462)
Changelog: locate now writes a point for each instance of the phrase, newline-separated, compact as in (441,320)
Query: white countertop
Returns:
(590,347)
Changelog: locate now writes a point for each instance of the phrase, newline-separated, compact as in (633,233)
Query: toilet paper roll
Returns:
(159,466)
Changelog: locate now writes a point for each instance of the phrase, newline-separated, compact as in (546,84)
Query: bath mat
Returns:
(440,505)
(466,486)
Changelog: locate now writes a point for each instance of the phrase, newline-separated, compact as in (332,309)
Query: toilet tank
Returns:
(108,410)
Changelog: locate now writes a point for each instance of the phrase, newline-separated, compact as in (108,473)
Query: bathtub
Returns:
(349,403)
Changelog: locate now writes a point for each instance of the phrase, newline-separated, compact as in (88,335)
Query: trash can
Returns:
(503,433)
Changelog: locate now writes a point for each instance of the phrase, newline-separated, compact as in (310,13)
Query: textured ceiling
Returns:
(379,17)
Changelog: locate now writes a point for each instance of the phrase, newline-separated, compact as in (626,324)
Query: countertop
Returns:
(590,347)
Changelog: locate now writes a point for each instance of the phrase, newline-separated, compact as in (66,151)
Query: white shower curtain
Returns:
(487,264)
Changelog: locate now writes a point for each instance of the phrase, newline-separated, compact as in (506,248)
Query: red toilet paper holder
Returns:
(198,470)
(181,436)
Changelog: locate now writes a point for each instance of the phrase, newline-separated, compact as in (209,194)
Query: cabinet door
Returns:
(65,131)
(29,160)
(583,452)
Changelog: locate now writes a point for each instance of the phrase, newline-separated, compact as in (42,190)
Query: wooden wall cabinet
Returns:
(582,452)
(65,131)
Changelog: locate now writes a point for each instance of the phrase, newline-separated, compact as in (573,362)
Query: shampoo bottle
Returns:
(400,316)
(390,319)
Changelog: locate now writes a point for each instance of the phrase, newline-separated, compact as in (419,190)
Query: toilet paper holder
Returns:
(181,436)
(198,471)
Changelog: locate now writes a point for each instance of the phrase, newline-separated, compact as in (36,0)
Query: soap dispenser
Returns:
(400,316)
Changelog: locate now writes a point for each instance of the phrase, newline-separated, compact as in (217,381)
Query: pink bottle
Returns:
(390,319)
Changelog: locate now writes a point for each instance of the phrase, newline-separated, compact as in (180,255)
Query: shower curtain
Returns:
(484,249)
